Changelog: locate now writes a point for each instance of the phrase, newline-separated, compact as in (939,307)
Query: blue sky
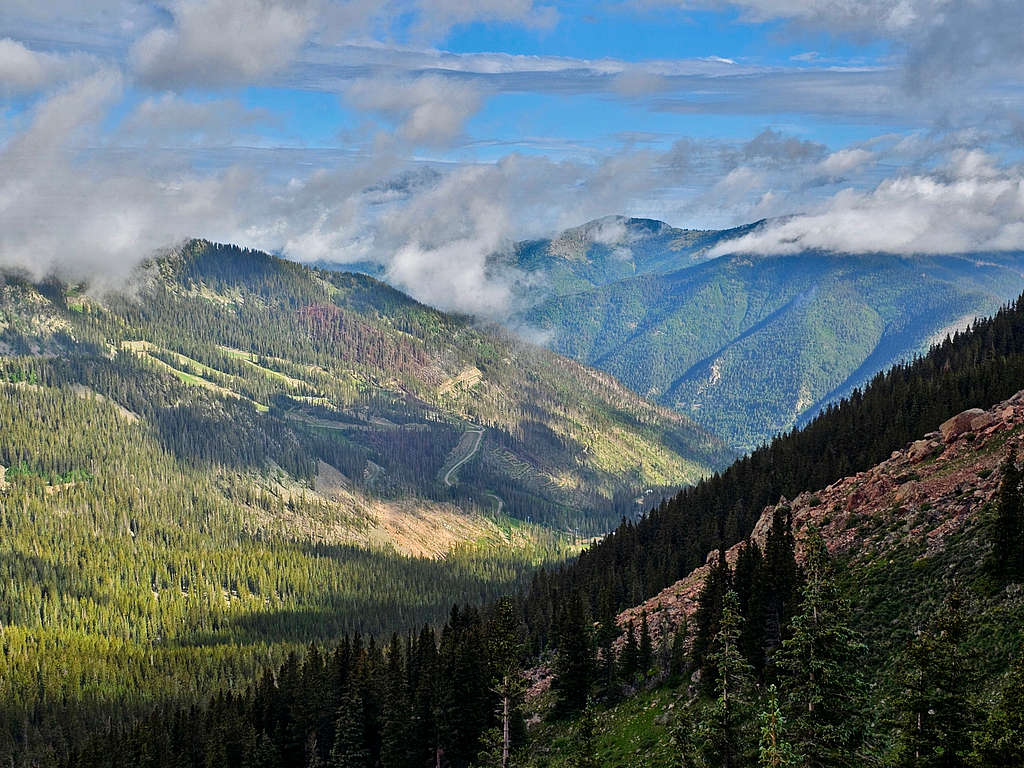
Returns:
(427,134)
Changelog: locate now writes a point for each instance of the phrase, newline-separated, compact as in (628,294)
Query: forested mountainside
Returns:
(397,397)
(746,345)
(873,620)
(244,455)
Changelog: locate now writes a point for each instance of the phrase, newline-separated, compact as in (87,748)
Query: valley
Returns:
(749,346)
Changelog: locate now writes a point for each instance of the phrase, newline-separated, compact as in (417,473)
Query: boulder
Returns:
(959,424)
(984,421)
(921,450)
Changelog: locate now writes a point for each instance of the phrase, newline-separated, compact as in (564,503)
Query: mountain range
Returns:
(747,345)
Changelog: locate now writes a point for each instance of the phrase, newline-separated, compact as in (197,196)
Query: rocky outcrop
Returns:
(952,428)
(924,492)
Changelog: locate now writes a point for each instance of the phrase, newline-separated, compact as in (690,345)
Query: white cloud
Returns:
(24,71)
(429,109)
(170,120)
(844,161)
(223,42)
(971,206)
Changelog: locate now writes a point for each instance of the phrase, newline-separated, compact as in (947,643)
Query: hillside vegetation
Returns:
(244,455)
(747,345)
(872,620)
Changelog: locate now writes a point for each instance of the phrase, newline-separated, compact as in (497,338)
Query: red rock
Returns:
(959,424)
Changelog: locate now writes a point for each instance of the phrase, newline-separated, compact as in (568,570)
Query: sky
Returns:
(425,135)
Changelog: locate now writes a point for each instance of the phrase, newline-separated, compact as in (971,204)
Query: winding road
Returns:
(479,432)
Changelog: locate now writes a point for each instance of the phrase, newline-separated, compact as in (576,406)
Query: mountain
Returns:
(874,619)
(241,456)
(748,346)
(904,536)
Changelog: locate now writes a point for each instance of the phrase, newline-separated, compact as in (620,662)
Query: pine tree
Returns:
(574,660)
(1000,740)
(350,749)
(937,718)
(774,751)
(819,665)
(1006,562)
(721,732)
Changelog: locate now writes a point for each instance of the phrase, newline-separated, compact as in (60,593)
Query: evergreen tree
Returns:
(629,660)
(645,651)
(936,716)
(775,751)
(350,749)
(574,660)
(819,666)
(677,665)
(746,583)
(1000,740)
(583,753)
(395,735)
(708,618)
(721,732)
(780,582)
(1007,558)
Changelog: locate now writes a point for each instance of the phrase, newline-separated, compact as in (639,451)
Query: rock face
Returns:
(959,424)
(924,493)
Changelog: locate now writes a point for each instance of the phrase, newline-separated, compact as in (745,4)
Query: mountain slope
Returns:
(749,346)
(370,378)
(243,456)
(905,534)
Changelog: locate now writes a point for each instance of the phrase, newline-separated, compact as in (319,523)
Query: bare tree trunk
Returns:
(505,728)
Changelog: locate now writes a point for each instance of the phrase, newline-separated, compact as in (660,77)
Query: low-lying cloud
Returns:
(972,206)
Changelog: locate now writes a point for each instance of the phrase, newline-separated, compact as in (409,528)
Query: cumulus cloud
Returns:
(23,70)
(845,160)
(430,109)
(223,42)
(972,205)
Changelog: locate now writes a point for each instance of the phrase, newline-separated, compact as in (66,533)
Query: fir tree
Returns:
(629,660)
(708,618)
(775,751)
(721,732)
(780,582)
(1007,559)
(819,665)
(583,753)
(1000,740)
(937,719)
(350,749)
(574,660)
(645,651)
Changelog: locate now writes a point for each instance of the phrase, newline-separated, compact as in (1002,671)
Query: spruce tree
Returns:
(1007,558)
(708,618)
(774,751)
(779,584)
(720,732)
(934,709)
(645,651)
(349,749)
(819,667)
(574,660)
(746,581)
(1000,740)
